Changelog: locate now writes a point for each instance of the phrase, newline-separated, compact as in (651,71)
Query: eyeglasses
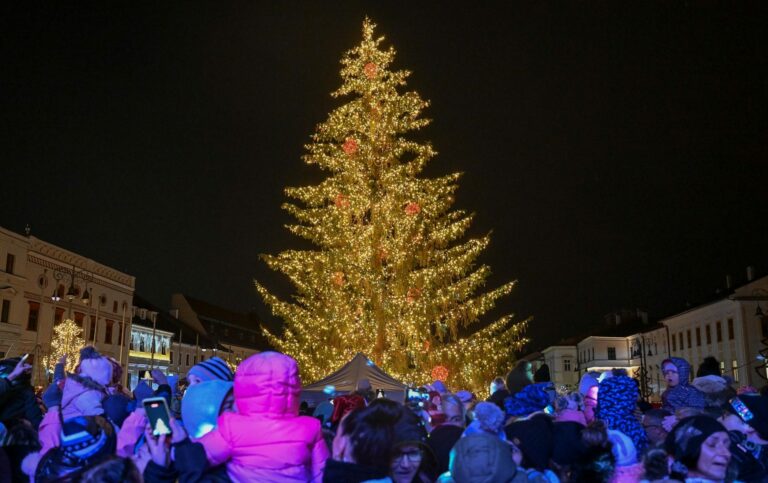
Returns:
(411,456)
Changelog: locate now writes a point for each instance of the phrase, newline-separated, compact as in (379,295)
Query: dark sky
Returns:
(617,152)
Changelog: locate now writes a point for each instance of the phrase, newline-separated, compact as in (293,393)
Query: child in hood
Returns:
(267,440)
(616,407)
(84,391)
(679,394)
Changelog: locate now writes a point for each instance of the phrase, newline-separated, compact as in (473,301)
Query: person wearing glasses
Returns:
(412,460)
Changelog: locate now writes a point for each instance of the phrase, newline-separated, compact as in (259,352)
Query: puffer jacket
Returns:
(81,397)
(683,395)
(267,440)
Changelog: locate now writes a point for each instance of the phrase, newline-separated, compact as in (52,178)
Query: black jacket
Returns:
(190,466)
(17,400)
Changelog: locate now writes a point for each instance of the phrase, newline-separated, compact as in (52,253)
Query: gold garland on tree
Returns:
(390,276)
(66,341)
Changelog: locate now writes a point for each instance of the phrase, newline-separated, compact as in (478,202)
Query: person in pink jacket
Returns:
(266,439)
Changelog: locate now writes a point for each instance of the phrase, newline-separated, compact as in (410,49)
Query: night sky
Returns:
(616,152)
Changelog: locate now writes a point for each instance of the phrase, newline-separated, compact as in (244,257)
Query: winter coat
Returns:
(343,472)
(616,407)
(189,466)
(267,440)
(81,397)
(683,395)
(715,389)
(17,400)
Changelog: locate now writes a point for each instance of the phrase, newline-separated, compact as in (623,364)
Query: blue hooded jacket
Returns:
(683,395)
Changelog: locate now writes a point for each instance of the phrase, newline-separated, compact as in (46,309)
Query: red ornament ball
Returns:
(350,146)
(370,70)
(341,201)
(338,279)
(412,208)
(440,373)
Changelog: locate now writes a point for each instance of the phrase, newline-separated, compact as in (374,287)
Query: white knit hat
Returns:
(94,366)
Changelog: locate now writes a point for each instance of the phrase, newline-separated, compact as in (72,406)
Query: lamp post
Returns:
(71,275)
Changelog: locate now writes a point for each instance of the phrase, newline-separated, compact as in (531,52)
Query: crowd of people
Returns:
(251,426)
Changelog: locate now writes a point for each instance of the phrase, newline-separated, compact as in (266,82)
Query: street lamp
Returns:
(71,275)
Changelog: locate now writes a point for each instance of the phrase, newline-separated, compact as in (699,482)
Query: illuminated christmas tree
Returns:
(66,341)
(390,276)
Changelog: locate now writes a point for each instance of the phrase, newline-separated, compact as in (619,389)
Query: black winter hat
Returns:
(568,448)
(542,374)
(535,438)
(685,440)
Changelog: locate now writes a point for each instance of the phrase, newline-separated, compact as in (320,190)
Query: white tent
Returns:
(345,380)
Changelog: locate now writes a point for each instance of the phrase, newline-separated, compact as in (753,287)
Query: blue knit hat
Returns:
(212,369)
(530,399)
(616,406)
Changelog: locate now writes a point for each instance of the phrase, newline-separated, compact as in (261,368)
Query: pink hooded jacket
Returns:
(267,440)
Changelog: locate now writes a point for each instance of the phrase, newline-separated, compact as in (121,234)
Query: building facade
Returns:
(42,284)
(562,363)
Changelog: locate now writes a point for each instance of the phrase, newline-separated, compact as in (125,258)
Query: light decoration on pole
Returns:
(67,341)
(390,274)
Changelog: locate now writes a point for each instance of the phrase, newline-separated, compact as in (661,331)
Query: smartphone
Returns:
(741,409)
(158,415)
(24,358)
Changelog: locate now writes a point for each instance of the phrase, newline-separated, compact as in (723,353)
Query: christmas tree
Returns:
(66,341)
(390,276)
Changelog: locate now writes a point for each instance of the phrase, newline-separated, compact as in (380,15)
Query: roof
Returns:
(346,378)
(238,328)
(165,321)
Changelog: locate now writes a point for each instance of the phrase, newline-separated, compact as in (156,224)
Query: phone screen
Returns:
(744,413)
(157,414)
(24,358)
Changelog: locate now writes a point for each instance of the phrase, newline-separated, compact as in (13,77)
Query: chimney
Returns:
(750,273)
(728,283)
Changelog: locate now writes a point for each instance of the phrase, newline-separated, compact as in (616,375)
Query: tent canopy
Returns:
(346,378)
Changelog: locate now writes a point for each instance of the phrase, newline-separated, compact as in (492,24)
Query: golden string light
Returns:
(390,275)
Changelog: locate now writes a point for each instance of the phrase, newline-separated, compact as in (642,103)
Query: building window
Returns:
(194,360)
(58,316)
(566,365)
(187,359)
(680,341)
(698,336)
(114,306)
(734,366)
(593,354)
(108,331)
(689,338)
(92,329)
(764,326)
(611,353)
(730,329)
(708,333)
(719,331)
(34,313)
(171,356)
(674,344)
(10,259)
(79,316)
(5,314)
(120,333)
